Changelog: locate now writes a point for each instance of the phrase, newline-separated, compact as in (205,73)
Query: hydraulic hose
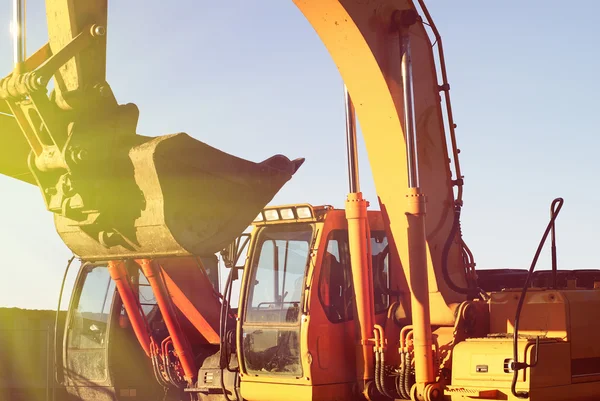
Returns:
(223,317)
(408,377)
(383,385)
(405,363)
(223,349)
(401,379)
(446,252)
(378,372)
(554,210)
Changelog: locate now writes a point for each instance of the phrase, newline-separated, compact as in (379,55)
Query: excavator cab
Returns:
(295,327)
(101,356)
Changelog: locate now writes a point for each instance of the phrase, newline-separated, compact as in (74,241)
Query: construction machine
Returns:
(333,304)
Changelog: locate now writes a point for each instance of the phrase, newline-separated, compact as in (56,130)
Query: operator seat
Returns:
(333,287)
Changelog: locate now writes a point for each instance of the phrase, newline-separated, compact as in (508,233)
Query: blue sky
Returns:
(253,79)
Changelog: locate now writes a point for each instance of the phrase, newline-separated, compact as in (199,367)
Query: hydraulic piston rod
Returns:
(18,33)
(409,116)
(422,336)
(351,146)
(359,237)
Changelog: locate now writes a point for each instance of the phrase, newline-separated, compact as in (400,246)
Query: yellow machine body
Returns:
(567,360)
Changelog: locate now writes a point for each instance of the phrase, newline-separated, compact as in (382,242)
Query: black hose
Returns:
(554,209)
(222,322)
(382,390)
(230,338)
(158,375)
(224,356)
(56,318)
(399,388)
(401,379)
(382,376)
(407,375)
(378,373)
(174,380)
(446,252)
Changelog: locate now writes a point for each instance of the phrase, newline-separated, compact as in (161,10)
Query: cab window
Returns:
(335,282)
(92,312)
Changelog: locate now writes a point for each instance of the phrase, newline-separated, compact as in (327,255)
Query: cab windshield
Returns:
(278,271)
(271,331)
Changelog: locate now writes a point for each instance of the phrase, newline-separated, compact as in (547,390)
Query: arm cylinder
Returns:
(417,243)
(360,255)
(417,259)
(118,273)
(163,299)
(362,279)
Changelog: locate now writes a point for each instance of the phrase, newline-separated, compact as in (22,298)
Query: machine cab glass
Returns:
(274,303)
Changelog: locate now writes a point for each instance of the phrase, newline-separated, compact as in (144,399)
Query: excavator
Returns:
(334,304)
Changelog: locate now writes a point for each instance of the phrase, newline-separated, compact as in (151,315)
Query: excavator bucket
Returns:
(188,199)
(116,194)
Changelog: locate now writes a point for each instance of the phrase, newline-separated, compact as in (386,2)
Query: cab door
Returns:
(332,335)
(85,356)
(102,359)
(332,331)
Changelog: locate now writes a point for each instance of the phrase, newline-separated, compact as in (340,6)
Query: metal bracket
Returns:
(524,365)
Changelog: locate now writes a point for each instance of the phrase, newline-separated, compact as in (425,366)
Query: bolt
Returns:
(98,30)
(38,81)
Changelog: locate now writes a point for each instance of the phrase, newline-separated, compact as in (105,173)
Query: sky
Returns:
(253,79)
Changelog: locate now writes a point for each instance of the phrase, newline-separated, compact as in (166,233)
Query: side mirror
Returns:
(231,254)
